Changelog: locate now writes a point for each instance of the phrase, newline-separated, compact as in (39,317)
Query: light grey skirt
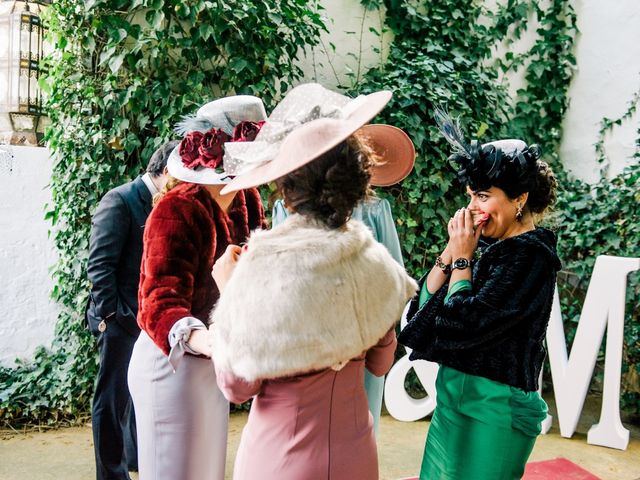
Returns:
(182,417)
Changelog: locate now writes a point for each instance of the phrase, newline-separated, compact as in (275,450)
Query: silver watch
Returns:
(460,264)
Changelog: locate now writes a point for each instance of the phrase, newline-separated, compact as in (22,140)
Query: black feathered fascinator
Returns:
(506,164)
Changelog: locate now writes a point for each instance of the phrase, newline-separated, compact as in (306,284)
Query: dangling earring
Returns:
(519,212)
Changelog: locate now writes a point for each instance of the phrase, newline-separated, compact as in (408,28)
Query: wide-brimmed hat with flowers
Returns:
(199,156)
(308,122)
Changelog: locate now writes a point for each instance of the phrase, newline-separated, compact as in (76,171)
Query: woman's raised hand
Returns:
(225,265)
(463,239)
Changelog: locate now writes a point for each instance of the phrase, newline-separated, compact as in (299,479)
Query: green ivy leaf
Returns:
(115,62)
(238,65)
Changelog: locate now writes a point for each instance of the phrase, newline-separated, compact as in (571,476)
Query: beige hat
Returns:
(396,151)
(308,122)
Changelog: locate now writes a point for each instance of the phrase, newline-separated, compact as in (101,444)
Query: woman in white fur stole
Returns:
(305,307)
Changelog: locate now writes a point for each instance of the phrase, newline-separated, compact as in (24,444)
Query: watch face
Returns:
(461,263)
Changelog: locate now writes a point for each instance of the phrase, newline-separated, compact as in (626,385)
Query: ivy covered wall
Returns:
(121,74)
(443,55)
(119,79)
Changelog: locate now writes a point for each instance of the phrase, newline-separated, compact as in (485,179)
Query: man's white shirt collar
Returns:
(146,178)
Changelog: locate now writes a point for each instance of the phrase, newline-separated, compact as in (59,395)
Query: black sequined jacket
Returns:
(495,330)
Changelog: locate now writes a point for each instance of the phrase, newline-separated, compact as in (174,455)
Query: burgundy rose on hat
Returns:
(246,131)
(212,148)
(199,149)
(189,147)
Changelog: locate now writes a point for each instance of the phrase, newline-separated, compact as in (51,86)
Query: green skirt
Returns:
(481,429)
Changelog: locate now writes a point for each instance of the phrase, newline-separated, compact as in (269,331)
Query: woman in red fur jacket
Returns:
(181,414)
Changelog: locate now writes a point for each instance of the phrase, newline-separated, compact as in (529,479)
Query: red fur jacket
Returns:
(185,233)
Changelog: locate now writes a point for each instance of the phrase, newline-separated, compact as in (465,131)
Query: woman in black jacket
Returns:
(484,321)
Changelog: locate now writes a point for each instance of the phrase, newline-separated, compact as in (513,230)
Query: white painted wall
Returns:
(28,315)
(348,43)
(608,60)
(607,72)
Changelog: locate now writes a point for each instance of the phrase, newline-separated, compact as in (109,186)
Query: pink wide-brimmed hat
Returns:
(308,122)
(396,151)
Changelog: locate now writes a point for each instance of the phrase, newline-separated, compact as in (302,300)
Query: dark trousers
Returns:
(112,415)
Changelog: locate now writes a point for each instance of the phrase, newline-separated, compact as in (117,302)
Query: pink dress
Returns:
(313,426)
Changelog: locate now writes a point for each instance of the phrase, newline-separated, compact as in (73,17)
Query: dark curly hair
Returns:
(543,190)
(329,187)
(513,167)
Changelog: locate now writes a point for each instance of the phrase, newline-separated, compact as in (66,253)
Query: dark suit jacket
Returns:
(115,252)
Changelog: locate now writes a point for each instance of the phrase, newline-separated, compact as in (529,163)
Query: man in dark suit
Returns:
(115,253)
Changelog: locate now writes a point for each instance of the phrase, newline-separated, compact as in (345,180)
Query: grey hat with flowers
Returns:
(199,156)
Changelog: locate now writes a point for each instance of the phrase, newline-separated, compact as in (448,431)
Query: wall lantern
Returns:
(21,49)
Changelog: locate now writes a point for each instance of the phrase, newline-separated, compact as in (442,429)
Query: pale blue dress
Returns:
(375,213)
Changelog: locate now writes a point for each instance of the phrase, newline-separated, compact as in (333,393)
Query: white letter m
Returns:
(603,308)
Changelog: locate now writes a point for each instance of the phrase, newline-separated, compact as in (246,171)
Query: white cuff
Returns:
(178,336)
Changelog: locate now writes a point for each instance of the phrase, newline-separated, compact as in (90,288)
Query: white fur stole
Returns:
(304,297)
